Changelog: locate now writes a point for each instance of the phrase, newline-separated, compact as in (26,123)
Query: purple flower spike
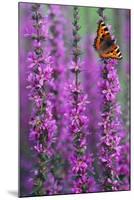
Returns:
(110,126)
(80,162)
(40,79)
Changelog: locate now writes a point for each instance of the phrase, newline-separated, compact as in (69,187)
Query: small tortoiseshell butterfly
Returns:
(104,44)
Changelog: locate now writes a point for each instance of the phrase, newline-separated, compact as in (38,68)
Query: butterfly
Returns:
(104,43)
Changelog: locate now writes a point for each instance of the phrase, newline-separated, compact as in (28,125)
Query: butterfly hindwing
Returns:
(104,43)
(114,53)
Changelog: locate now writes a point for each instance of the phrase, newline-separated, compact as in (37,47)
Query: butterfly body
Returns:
(104,43)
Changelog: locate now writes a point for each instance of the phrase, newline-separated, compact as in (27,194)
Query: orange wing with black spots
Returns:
(104,44)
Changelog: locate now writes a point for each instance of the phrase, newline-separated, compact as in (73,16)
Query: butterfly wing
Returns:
(101,32)
(104,43)
(114,53)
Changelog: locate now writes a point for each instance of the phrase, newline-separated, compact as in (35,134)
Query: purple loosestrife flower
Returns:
(90,75)
(124,166)
(57,50)
(78,121)
(109,125)
(42,124)
(52,186)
